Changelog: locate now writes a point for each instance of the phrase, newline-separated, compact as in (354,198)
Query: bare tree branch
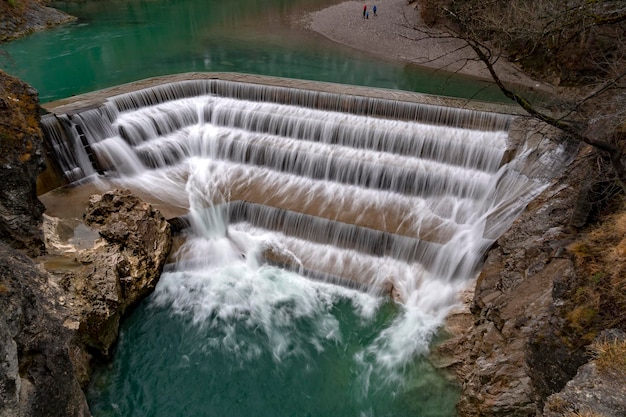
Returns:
(552,28)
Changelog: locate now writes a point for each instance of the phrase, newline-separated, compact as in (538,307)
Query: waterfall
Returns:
(391,198)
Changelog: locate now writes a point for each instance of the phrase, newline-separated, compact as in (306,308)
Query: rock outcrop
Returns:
(512,303)
(508,348)
(37,375)
(21,160)
(594,389)
(52,323)
(22,17)
(120,270)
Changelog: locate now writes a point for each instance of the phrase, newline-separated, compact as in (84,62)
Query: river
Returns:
(116,42)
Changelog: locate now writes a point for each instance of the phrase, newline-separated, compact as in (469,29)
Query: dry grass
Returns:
(603,250)
(610,357)
(583,414)
(556,404)
(559,405)
(599,299)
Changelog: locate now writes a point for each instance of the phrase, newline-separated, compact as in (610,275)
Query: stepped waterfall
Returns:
(295,201)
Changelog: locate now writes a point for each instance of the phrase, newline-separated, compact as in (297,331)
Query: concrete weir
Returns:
(376,189)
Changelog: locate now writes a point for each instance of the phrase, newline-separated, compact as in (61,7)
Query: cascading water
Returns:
(392,199)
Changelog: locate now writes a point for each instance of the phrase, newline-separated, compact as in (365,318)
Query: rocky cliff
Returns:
(521,339)
(21,160)
(52,325)
(37,377)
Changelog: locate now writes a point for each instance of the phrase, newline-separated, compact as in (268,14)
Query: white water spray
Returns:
(397,207)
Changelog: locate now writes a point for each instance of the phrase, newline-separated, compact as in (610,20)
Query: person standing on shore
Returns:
(374,10)
(364,11)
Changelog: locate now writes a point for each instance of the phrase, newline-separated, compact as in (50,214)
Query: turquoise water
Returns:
(304,350)
(115,42)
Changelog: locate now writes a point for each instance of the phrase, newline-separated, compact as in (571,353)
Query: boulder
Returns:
(122,267)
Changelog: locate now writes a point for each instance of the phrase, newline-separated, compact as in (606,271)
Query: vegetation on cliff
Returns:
(598,299)
(611,357)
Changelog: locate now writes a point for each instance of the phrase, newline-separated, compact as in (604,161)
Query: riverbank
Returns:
(397,32)
(20,18)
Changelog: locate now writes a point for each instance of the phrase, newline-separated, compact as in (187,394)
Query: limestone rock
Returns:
(121,269)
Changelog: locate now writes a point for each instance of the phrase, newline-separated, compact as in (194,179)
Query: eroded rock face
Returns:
(507,350)
(512,300)
(37,377)
(37,352)
(121,269)
(21,160)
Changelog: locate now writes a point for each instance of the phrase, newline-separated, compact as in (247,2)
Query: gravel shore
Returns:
(391,34)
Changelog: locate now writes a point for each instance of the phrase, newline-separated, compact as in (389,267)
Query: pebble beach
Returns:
(397,32)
